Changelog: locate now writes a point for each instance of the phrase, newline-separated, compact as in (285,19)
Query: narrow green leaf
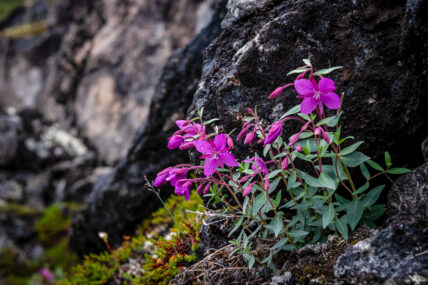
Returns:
(327,216)
(372,196)
(375,165)
(342,228)
(259,201)
(398,170)
(328,70)
(362,189)
(355,212)
(274,184)
(266,149)
(350,149)
(275,225)
(364,171)
(211,121)
(236,226)
(274,173)
(387,159)
(292,111)
(330,121)
(298,233)
(298,70)
(307,61)
(355,159)
(326,181)
(312,181)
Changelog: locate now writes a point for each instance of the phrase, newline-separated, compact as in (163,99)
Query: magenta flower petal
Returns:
(203,147)
(304,87)
(175,141)
(210,166)
(228,159)
(308,105)
(220,142)
(181,123)
(274,133)
(326,85)
(331,100)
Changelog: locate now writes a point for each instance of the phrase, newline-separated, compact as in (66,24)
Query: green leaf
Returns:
(274,173)
(274,185)
(211,121)
(237,225)
(266,149)
(364,171)
(387,159)
(372,196)
(312,181)
(298,70)
(350,149)
(326,181)
(355,159)
(298,233)
(342,200)
(277,199)
(259,201)
(375,165)
(275,225)
(251,261)
(330,121)
(355,212)
(304,116)
(279,244)
(398,170)
(291,180)
(328,70)
(375,212)
(327,216)
(362,189)
(292,111)
(307,61)
(342,228)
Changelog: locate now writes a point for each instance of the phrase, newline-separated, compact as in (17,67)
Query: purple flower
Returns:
(46,274)
(170,174)
(175,141)
(258,166)
(215,153)
(182,188)
(274,132)
(316,94)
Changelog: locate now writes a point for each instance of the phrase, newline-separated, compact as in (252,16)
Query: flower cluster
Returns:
(257,189)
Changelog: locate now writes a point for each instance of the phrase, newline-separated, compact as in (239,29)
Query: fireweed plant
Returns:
(267,195)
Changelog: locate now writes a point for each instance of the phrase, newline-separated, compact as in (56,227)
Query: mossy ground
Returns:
(161,247)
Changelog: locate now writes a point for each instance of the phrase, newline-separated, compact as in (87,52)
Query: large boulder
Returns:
(120,200)
(96,63)
(380,44)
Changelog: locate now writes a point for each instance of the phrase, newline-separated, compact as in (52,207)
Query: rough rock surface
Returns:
(96,64)
(380,44)
(397,254)
(121,200)
(408,197)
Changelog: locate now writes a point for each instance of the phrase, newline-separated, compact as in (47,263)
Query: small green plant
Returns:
(298,190)
(159,259)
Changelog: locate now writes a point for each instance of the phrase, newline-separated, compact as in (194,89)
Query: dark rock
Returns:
(120,200)
(214,234)
(424,147)
(381,44)
(396,255)
(408,197)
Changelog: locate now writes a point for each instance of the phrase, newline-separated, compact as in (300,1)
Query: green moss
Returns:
(8,6)
(164,262)
(19,210)
(54,223)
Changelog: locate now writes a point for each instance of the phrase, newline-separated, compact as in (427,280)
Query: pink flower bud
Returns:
(298,148)
(319,131)
(260,140)
(207,188)
(230,142)
(284,164)
(250,110)
(175,141)
(267,183)
(198,191)
(294,139)
(243,179)
(246,124)
(248,189)
(187,145)
(46,274)
(274,133)
(278,91)
(242,133)
(249,139)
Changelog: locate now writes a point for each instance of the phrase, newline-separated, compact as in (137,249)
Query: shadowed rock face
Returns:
(97,64)
(380,44)
(120,200)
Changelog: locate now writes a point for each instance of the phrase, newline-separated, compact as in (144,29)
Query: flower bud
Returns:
(294,139)
(249,139)
(278,91)
(284,164)
(175,141)
(198,191)
(207,188)
(186,145)
(243,179)
(248,189)
(242,133)
(267,183)
(230,142)
(274,133)
(298,148)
